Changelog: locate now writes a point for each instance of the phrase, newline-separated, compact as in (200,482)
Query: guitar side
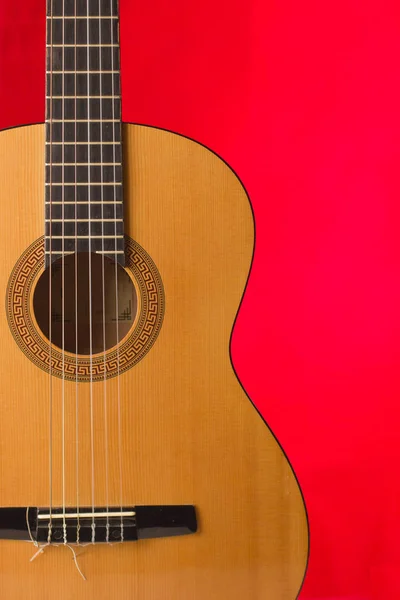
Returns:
(190,435)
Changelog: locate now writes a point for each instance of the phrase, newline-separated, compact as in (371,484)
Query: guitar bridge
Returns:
(101,525)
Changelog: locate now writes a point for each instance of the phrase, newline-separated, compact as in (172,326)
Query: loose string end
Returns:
(76,561)
(40,551)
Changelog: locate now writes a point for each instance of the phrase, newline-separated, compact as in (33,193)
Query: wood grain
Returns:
(189,434)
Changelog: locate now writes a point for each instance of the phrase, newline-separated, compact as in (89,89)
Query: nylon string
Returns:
(90,285)
(63,277)
(105,399)
(41,547)
(76,292)
(50,291)
(116,282)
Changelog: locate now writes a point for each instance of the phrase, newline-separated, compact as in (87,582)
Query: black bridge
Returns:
(126,524)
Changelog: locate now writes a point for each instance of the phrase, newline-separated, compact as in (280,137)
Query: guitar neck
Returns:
(84,200)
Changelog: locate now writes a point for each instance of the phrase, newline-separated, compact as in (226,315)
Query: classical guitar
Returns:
(130,456)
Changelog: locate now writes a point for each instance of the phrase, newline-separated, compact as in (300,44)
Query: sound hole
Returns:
(89,322)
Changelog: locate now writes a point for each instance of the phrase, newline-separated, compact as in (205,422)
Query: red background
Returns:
(302,99)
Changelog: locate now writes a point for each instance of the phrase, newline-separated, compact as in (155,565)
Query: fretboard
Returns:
(83,198)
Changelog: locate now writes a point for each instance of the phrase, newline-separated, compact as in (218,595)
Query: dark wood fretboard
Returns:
(84,200)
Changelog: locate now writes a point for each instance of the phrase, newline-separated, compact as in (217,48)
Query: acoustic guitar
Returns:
(132,463)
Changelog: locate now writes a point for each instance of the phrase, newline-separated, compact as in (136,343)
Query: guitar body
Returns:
(188,432)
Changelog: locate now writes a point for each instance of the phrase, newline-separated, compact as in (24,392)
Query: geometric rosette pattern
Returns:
(118,359)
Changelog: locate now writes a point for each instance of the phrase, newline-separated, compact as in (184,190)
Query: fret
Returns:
(80,109)
(83,244)
(73,144)
(72,202)
(81,8)
(90,131)
(82,210)
(97,252)
(97,17)
(83,59)
(63,72)
(83,120)
(83,85)
(79,183)
(101,31)
(93,244)
(83,220)
(84,175)
(82,45)
(110,241)
(80,193)
(93,227)
(108,153)
(65,164)
(86,237)
(102,97)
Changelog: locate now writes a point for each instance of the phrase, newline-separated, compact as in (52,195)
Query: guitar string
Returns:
(90,282)
(42,547)
(116,277)
(105,399)
(78,526)
(50,131)
(90,296)
(63,275)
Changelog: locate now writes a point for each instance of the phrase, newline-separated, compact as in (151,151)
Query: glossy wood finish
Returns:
(190,434)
